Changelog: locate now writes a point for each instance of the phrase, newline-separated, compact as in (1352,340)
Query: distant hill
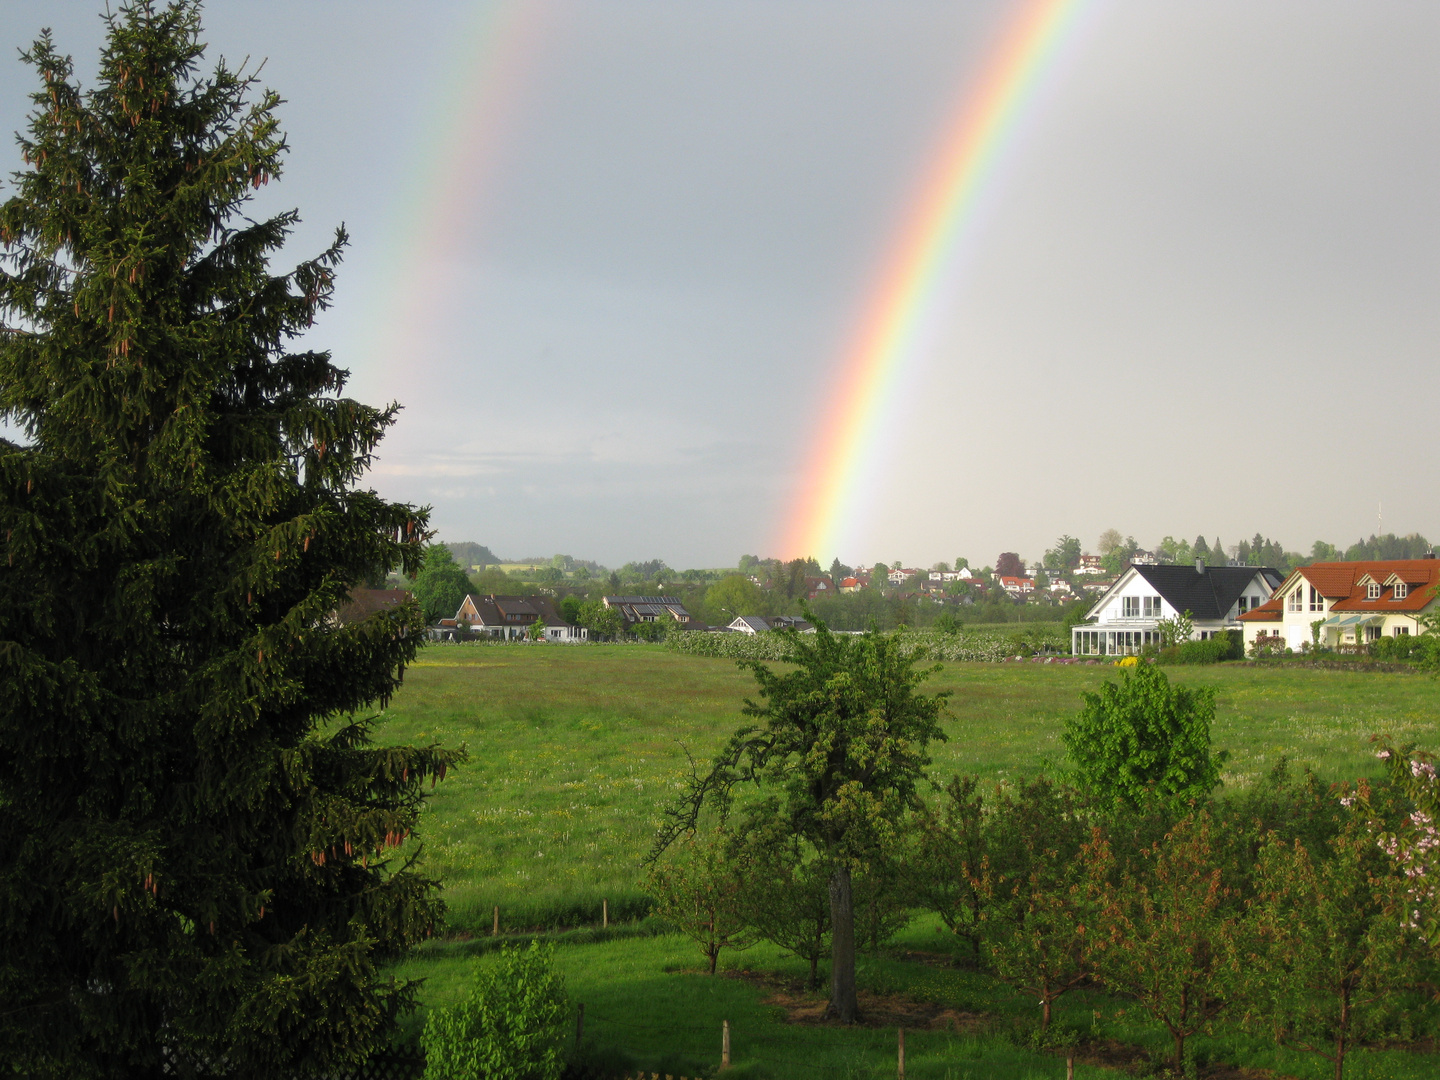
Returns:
(468,554)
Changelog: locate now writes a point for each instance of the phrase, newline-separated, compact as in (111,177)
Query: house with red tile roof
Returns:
(1353,603)
(1017,586)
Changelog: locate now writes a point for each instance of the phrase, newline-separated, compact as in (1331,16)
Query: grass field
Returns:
(575,749)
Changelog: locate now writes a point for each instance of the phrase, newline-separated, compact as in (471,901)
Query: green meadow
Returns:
(574,750)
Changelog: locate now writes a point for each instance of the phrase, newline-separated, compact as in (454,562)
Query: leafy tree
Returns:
(786,896)
(1332,955)
(441,584)
(1166,935)
(1177,630)
(1201,548)
(1142,736)
(946,855)
(879,576)
(510,1027)
(732,596)
(1065,555)
(1320,551)
(1109,540)
(842,740)
(570,608)
(1038,928)
(1009,565)
(604,623)
(197,837)
(699,888)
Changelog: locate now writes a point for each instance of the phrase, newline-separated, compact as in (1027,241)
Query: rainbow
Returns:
(449,182)
(900,322)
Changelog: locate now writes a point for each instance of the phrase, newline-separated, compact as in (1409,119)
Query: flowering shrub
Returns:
(1415,844)
(1267,645)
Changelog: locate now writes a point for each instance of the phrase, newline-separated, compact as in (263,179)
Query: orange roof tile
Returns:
(1340,582)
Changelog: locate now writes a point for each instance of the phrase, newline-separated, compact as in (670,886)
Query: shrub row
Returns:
(982,648)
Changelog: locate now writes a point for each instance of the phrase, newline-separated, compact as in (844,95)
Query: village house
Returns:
(1126,618)
(1353,603)
(759,624)
(851,584)
(509,618)
(1090,564)
(638,609)
(1017,586)
(817,587)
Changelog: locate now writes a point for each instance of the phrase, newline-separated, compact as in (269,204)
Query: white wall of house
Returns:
(1127,618)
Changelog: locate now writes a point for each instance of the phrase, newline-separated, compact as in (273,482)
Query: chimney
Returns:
(1199,566)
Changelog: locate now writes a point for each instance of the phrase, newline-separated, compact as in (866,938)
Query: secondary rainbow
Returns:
(448,185)
(901,318)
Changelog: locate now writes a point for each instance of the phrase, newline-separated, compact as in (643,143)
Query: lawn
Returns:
(574,749)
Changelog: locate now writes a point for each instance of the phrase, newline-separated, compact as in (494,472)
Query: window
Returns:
(1317,602)
(1296,600)
(1372,591)
(1129,607)
(1152,607)
(1401,591)
(1372,633)
(1402,631)
(1242,601)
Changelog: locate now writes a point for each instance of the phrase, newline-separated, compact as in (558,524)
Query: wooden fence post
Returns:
(724,1044)
(902,1053)
(1070,1067)
(579,1024)
(604,913)
(496,931)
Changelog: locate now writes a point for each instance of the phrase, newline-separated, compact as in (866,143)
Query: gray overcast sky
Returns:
(1203,298)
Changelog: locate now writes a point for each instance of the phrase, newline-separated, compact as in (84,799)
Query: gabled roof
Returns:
(1344,583)
(493,610)
(1208,593)
(366,602)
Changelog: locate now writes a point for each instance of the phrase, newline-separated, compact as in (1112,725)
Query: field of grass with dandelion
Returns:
(574,750)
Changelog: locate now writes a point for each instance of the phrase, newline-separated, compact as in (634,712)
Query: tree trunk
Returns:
(814,983)
(1340,1056)
(1045,1015)
(843,1004)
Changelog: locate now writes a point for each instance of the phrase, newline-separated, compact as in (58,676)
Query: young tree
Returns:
(1332,955)
(509,1027)
(196,834)
(843,741)
(1144,735)
(1039,928)
(785,895)
(945,856)
(700,890)
(1165,932)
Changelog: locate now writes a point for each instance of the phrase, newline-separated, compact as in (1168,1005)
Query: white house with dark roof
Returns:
(1126,618)
(759,624)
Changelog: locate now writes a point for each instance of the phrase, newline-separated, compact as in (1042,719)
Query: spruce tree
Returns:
(202,853)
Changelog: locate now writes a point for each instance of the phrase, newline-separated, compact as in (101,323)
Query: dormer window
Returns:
(1372,591)
(1401,591)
